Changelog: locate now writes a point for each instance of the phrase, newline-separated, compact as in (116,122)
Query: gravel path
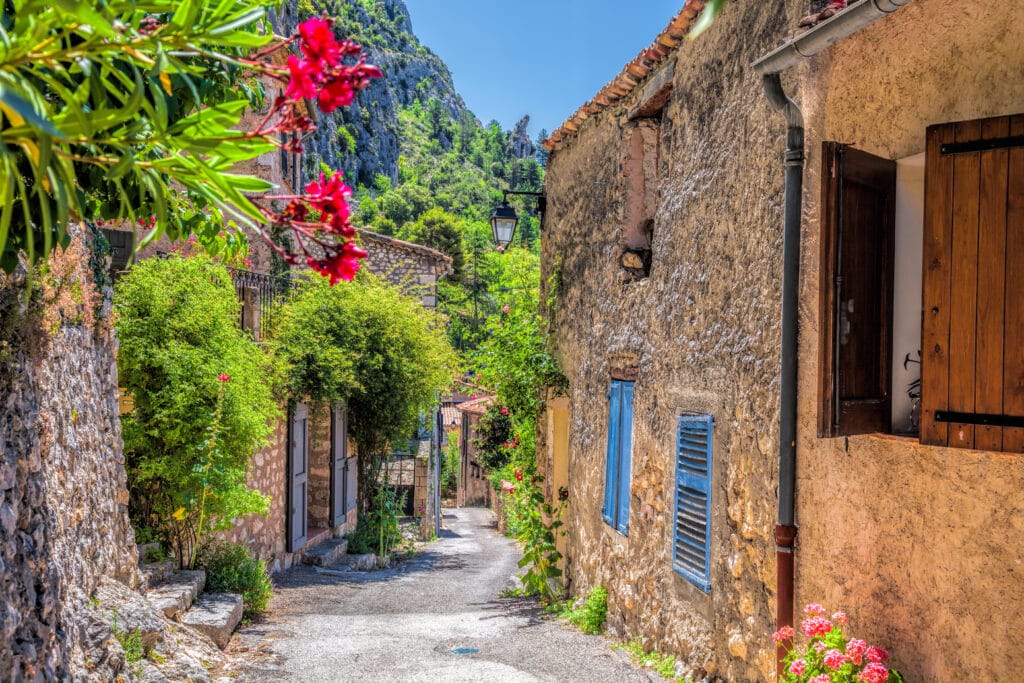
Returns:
(403,624)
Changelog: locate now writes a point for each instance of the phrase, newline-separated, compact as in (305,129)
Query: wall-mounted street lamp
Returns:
(504,219)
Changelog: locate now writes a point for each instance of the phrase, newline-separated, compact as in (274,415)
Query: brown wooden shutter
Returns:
(972,369)
(858,227)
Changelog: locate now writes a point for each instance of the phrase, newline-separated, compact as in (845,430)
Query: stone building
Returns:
(474,488)
(676,310)
(413,268)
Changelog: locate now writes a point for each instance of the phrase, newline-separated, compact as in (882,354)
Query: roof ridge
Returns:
(632,74)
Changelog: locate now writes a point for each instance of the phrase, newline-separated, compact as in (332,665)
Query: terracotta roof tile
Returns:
(632,74)
(477,406)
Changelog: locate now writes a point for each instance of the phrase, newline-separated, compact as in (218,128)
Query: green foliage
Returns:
(538,524)
(440,230)
(369,345)
(131,644)
(494,437)
(230,568)
(450,468)
(663,664)
(99,117)
(189,437)
(591,615)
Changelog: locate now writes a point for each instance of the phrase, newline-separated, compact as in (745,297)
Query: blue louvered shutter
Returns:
(691,551)
(611,463)
(625,456)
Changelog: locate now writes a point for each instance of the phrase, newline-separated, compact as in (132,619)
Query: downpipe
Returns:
(786,529)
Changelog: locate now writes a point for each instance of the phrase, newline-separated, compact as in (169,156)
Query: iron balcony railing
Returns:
(260,296)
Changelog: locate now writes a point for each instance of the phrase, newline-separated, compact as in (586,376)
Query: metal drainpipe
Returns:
(785,530)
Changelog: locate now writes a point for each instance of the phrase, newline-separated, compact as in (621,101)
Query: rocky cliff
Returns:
(364,139)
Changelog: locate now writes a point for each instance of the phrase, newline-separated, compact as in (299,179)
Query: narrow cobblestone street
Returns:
(404,624)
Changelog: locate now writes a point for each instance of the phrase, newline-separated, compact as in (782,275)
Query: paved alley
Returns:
(406,623)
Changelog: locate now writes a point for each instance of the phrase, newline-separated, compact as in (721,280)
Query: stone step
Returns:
(155,572)
(217,615)
(177,592)
(327,553)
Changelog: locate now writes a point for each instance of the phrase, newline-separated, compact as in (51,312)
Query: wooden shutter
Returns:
(612,459)
(625,458)
(352,483)
(691,548)
(339,460)
(857,239)
(972,365)
(298,477)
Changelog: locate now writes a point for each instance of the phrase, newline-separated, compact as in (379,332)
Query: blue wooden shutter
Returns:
(625,456)
(611,464)
(691,549)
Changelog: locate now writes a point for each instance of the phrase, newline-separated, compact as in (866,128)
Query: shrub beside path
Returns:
(410,622)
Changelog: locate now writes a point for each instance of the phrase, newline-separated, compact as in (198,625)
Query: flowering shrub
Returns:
(105,107)
(829,656)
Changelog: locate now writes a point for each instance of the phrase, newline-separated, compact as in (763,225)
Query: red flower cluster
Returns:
(830,657)
(223,378)
(320,73)
(519,475)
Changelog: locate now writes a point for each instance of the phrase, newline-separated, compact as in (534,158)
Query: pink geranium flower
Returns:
(834,659)
(798,667)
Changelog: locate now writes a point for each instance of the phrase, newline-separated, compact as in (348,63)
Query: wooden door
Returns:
(298,477)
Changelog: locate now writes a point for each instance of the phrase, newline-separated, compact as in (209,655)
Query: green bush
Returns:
(591,615)
(230,568)
(202,399)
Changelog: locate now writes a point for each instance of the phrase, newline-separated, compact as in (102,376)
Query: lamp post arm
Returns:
(542,200)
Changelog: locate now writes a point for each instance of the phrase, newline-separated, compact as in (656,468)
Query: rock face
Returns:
(63,499)
(363,139)
(519,141)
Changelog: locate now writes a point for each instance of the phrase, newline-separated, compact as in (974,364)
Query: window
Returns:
(691,543)
(620,445)
(971,299)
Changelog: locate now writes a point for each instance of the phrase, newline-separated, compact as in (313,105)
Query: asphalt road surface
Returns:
(435,617)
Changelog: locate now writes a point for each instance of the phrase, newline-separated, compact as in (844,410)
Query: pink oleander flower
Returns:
(301,83)
(823,678)
(813,609)
(840,618)
(223,378)
(815,626)
(855,650)
(798,667)
(873,673)
(783,634)
(317,42)
(504,410)
(505,309)
(876,654)
(834,659)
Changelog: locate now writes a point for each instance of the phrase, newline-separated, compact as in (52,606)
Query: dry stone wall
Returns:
(413,268)
(63,497)
(700,332)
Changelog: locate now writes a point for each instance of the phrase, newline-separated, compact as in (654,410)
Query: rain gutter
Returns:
(770,66)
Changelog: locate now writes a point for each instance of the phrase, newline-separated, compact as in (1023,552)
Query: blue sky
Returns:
(536,57)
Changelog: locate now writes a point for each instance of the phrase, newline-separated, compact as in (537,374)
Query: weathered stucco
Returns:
(702,331)
(922,546)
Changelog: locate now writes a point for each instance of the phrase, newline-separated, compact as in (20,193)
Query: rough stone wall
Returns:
(413,268)
(703,332)
(265,535)
(63,498)
(922,546)
(319,468)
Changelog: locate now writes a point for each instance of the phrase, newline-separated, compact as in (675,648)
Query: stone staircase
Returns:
(178,594)
(326,553)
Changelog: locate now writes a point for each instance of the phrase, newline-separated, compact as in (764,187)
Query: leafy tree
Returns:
(441,230)
(394,356)
(394,207)
(201,389)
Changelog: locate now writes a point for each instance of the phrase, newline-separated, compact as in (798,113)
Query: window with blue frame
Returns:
(691,543)
(620,446)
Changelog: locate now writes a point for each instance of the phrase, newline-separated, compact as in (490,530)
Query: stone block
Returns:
(327,553)
(216,615)
(127,611)
(175,594)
